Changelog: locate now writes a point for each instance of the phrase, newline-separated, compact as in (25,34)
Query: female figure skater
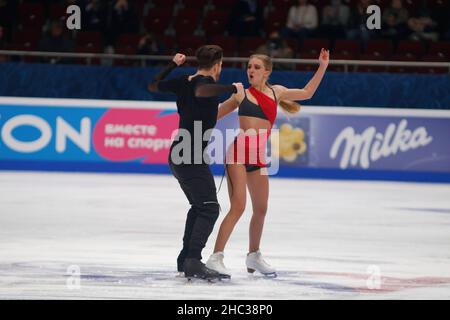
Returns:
(257,111)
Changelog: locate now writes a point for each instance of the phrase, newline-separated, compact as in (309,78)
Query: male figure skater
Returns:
(194,175)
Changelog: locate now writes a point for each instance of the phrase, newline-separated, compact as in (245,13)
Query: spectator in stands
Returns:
(395,19)
(2,38)
(357,28)
(8,14)
(446,28)
(2,43)
(302,20)
(246,18)
(123,19)
(150,45)
(56,41)
(441,14)
(422,26)
(335,18)
(276,47)
(94,16)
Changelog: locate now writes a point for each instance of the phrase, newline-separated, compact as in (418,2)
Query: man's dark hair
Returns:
(208,55)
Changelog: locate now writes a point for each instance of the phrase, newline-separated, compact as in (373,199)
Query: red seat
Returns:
(90,39)
(215,23)
(186,21)
(127,43)
(405,70)
(346,49)
(228,44)
(196,3)
(372,56)
(88,48)
(188,44)
(282,4)
(223,4)
(158,20)
(440,48)
(409,50)
(379,49)
(139,6)
(28,39)
(412,6)
(305,67)
(313,46)
(293,44)
(275,22)
(128,40)
(170,43)
(434,70)
(435,57)
(21,47)
(31,15)
(320,4)
(128,46)
(248,45)
(370,69)
(58,11)
(164,3)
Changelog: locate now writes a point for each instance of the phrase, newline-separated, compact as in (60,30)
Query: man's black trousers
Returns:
(197,183)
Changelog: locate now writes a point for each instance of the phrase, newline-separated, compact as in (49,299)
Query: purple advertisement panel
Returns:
(339,140)
(369,142)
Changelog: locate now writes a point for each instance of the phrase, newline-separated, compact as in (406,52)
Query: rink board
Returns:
(135,136)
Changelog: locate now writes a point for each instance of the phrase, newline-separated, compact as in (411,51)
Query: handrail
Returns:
(225,59)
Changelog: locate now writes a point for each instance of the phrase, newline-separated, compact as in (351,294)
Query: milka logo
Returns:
(370,146)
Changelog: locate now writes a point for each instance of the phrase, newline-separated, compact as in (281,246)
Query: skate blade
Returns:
(270,275)
(266,275)
(224,277)
(196,279)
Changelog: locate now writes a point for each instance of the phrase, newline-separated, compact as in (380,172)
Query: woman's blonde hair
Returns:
(287,105)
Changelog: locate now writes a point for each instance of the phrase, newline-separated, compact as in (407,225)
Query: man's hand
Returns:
(239,87)
(179,59)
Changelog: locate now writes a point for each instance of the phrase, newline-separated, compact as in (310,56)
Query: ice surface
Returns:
(328,239)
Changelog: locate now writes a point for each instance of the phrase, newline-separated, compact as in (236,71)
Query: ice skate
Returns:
(195,269)
(255,262)
(215,262)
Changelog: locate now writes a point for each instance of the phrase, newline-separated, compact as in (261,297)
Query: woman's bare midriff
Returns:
(253,123)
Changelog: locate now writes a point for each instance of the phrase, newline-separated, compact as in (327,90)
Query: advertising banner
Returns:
(130,136)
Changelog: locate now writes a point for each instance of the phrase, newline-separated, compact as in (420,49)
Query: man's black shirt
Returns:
(191,108)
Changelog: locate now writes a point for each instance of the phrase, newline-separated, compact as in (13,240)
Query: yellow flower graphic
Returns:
(288,142)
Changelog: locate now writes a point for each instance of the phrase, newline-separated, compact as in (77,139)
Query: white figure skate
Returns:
(215,262)
(255,262)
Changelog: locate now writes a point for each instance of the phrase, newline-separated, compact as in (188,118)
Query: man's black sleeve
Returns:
(214,90)
(164,86)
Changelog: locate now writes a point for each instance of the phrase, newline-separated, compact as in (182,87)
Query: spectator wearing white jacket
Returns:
(302,20)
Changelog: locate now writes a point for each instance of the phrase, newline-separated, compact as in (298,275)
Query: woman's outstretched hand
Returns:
(324,57)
